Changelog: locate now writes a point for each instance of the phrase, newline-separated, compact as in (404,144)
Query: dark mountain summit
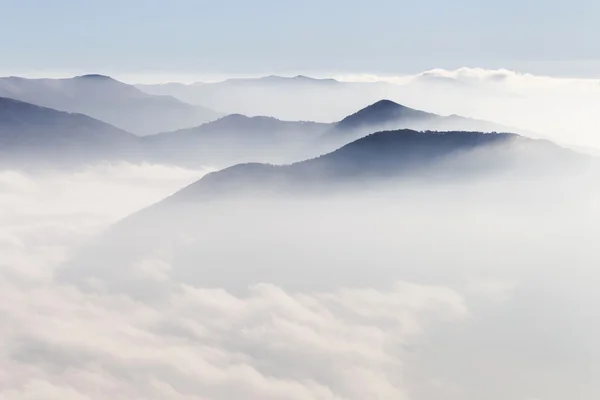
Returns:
(392,154)
(200,220)
(388,115)
(380,113)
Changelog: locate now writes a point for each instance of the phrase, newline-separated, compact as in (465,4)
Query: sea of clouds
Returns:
(61,342)
(476,301)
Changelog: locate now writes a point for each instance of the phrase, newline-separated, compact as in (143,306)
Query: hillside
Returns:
(31,134)
(109,100)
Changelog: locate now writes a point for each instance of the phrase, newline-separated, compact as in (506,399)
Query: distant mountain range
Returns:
(108,100)
(325,100)
(226,141)
(236,138)
(298,98)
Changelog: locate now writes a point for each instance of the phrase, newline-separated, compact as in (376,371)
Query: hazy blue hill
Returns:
(199,221)
(237,126)
(388,115)
(109,100)
(30,134)
(237,138)
(389,155)
(40,133)
(286,98)
(381,112)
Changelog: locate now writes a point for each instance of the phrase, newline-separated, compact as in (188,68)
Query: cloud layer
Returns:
(433,294)
(562,109)
(63,342)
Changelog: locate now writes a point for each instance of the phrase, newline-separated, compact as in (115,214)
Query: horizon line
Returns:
(157,78)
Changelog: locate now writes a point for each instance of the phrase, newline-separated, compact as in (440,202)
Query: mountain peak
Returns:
(382,112)
(385,103)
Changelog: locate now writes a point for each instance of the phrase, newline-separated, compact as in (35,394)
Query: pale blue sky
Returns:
(553,37)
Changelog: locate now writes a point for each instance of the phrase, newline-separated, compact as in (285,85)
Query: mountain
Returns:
(31,134)
(382,113)
(298,98)
(193,92)
(247,222)
(227,141)
(237,138)
(392,154)
(301,98)
(109,100)
(388,115)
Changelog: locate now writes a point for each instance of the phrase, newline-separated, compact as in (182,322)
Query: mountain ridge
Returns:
(31,134)
(388,155)
(109,100)
(238,138)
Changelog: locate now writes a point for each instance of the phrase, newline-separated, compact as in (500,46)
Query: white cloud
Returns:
(561,109)
(61,342)
(449,323)
(208,343)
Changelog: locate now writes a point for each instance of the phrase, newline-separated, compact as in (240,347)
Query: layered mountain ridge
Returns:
(109,100)
(226,141)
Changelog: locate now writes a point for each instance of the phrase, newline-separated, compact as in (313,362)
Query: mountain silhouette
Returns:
(388,115)
(224,142)
(306,98)
(381,113)
(31,134)
(197,222)
(109,100)
(392,154)
(237,138)
(296,98)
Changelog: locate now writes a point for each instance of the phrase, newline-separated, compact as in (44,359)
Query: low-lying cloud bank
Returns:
(63,342)
(206,343)
(477,301)
(48,213)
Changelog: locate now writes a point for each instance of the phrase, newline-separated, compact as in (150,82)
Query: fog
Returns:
(461,290)
(561,109)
